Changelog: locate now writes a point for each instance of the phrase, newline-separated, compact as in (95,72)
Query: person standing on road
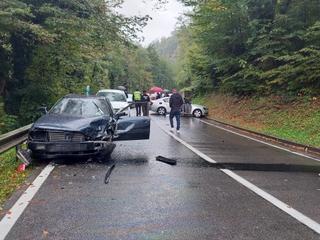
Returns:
(137,100)
(175,103)
(145,103)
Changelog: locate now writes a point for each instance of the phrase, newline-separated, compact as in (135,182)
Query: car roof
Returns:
(111,90)
(82,96)
(162,98)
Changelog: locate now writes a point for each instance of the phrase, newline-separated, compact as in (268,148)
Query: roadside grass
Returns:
(295,120)
(10,178)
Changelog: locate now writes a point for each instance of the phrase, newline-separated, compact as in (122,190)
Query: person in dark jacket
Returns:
(175,103)
(145,103)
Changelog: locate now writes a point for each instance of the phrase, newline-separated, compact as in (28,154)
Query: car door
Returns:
(132,128)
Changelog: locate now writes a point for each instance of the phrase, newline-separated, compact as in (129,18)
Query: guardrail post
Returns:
(17,149)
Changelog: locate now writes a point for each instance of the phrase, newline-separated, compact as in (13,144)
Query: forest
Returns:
(248,47)
(50,48)
(241,48)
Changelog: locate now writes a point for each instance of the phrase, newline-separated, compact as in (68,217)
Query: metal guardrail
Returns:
(13,138)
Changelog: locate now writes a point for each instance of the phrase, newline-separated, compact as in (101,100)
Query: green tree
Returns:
(248,47)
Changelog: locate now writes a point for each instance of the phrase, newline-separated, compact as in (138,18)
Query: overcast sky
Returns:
(163,20)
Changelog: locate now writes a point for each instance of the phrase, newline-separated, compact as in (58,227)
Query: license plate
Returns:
(40,147)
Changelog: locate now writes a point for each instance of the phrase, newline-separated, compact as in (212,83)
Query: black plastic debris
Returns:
(108,174)
(166,160)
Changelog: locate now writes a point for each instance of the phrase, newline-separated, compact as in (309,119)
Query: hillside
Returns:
(167,48)
(297,120)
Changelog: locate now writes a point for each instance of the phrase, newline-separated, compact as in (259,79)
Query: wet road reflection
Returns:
(147,199)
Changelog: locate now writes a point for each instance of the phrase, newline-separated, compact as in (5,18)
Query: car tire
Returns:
(162,111)
(197,113)
(104,157)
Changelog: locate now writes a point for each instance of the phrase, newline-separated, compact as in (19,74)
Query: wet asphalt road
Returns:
(146,199)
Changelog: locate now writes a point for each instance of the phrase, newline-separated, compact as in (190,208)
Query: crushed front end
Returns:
(49,144)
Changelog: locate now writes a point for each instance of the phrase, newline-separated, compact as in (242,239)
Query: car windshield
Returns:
(114,96)
(85,107)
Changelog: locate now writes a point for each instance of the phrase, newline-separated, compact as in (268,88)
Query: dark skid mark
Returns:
(268,167)
(195,162)
(166,160)
(133,161)
(110,169)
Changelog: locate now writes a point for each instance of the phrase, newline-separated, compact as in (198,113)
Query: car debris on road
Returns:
(166,160)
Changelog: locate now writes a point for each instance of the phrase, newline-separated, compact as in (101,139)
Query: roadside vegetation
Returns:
(10,178)
(296,119)
(251,48)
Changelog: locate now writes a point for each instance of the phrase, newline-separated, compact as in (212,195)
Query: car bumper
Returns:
(50,150)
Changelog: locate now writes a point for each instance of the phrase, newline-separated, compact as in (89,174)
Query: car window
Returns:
(114,96)
(81,107)
(166,100)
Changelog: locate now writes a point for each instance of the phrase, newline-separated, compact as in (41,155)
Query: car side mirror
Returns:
(43,110)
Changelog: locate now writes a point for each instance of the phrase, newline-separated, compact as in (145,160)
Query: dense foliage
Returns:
(49,48)
(251,47)
(167,48)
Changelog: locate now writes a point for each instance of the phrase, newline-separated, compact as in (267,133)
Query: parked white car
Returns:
(161,106)
(130,98)
(117,98)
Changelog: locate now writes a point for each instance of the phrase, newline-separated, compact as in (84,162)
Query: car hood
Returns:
(92,127)
(119,105)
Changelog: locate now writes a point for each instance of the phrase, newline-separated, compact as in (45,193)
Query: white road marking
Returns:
(268,197)
(263,142)
(8,221)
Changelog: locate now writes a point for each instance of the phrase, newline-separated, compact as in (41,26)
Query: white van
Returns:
(117,98)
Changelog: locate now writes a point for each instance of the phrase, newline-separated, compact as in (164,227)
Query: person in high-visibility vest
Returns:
(137,99)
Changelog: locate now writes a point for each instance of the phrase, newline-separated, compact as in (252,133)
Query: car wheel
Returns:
(103,157)
(162,111)
(197,113)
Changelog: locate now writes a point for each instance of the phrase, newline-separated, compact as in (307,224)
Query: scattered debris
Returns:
(166,160)
(21,167)
(107,178)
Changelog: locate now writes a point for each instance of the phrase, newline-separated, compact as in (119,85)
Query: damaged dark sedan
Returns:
(83,126)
